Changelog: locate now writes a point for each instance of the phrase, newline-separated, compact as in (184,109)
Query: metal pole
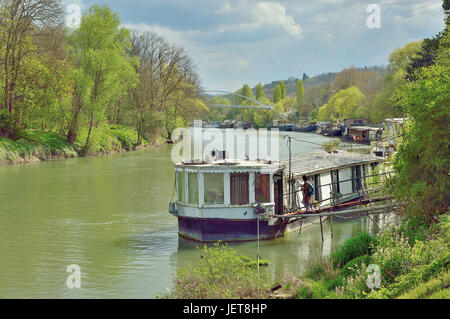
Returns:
(331,225)
(290,170)
(257,257)
(321,228)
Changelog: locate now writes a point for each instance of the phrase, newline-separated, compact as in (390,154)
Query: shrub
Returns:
(413,278)
(429,288)
(304,292)
(396,256)
(353,265)
(313,290)
(221,274)
(107,139)
(354,287)
(360,245)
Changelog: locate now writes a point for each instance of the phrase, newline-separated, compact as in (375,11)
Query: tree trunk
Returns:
(72,133)
(91,121)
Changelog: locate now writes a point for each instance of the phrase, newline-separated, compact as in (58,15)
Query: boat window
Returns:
(356,178)
(317,188)
(239,189)
(193,188)
(213,188)
(181,187)
(335,182)
(262,188)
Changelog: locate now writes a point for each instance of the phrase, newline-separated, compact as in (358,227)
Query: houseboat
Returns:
(362,134)
(305,128)
(231,200)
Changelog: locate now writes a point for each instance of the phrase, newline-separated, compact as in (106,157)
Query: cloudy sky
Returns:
(247,41)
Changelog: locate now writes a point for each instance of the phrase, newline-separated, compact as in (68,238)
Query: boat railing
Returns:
(365,188)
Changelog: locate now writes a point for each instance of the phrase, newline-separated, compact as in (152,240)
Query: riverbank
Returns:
(409,261)
(35,146)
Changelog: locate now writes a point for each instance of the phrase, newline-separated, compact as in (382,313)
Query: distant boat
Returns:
(226,124)
(287,127)
(305,129)
(332,131)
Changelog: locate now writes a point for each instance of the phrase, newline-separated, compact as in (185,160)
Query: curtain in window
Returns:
(239,189)
(213,188)
(262,188)
(193,188)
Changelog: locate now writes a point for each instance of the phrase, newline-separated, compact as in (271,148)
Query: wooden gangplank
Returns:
(331,210)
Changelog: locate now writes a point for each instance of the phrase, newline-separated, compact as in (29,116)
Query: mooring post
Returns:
(321,228)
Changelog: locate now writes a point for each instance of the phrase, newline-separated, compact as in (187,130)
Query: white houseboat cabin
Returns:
(239,201)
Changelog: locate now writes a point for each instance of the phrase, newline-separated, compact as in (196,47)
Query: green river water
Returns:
(109,216)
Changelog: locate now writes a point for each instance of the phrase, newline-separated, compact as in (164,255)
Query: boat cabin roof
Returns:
(313,163)
(321,161)
(364,128)
(230,166)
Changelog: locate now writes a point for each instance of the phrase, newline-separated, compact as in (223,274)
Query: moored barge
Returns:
(227,200)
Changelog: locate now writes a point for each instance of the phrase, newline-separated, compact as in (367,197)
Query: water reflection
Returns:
(294,251)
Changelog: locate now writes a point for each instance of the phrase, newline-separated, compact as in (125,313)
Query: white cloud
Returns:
(275,14)
(257,15)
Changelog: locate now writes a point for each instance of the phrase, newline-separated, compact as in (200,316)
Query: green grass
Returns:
(108,139)
(436,288)
(34,146)
(353,247)
(222,273)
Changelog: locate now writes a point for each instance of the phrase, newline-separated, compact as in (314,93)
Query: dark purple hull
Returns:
(213,230)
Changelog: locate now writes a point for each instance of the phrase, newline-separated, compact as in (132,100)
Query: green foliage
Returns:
(396,256)
(276,94)
(422,161)
(259,91)
(246,91)
(108,139)
(361,245)
(413,258)
(436,288)
(346,103)
(283,90)
(300,93)
(314,290)
(221,273)
(33,146)
(413,278)
(350,268)
(103,70)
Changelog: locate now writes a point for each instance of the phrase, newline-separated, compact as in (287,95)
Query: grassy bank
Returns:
(36,146)
(413,259)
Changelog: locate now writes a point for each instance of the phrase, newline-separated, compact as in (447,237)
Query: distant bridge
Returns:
(259,106)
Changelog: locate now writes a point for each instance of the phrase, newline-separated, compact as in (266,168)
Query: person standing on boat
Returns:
(306,189)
